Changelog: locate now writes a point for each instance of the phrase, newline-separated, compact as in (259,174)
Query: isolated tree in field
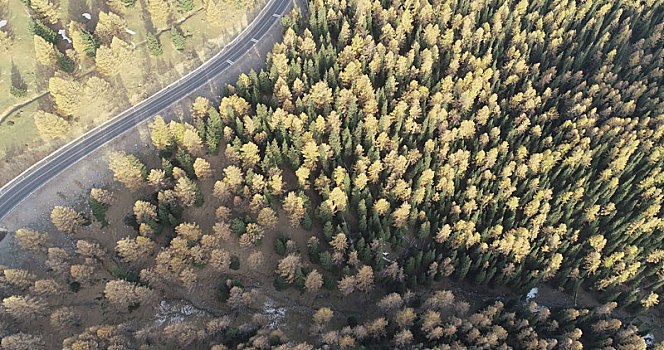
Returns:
(66,219)
(202,168)
(179,40)
(45,51)
(314,281)
(124,294)
(200,107)
(160,11)
(128,170)
(66,95)
(50,125)
(154,45)
(31,240)
(22,307)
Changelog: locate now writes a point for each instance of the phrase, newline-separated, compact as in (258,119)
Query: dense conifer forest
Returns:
(499,145)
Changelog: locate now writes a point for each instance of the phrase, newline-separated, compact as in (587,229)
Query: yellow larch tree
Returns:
(45,51)
(202,168)
(50,125)
(66,219)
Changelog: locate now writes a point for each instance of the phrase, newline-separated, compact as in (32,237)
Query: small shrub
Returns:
(329,282)
(65,63)
(238,226)
(280,245)
(280,283)
(179,40)
(98,211)
(154,46)
(125,274)
(235,263)
(224,290)
(18,92)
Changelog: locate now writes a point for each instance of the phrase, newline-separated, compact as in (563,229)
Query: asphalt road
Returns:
(34,178)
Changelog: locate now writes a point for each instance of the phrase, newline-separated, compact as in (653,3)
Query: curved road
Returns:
(39,174)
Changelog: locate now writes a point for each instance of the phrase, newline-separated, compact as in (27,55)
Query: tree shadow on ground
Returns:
(75,12)
(17,79)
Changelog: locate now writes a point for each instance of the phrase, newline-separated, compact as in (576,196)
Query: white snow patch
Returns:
(650,339)
(131,32)
(175,312)
(63,33)
(87,15)
(532,294)
(275,314)
(3,23)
